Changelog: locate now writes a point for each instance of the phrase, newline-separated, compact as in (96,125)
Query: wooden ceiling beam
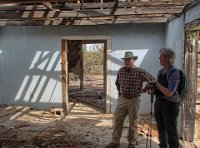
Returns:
(58,7)
(151,18)
(105,5)
(66,12)
(79,22)
(96,18)
(47,5)
(84,13)
(29,1)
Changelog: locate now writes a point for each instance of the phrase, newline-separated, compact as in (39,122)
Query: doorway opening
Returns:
(87,75)
(86,82)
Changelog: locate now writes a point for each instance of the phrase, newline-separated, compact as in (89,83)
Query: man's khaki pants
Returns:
(126,107)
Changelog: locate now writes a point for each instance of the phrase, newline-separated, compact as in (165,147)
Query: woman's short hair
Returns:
(169,54)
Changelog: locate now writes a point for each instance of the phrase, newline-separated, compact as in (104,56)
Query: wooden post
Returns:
(81,68)
(64,77)
(108,75)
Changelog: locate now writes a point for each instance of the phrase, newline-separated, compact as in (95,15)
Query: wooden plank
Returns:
(29,1)
(59,8)
(110,5)
(84,13)
(72,6)
(64,77)
(81,68)
(23,8)
(86,21)
(108,75)
(129,17)
(102,5)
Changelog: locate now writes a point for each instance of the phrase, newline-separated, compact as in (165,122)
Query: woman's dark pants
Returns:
(166,115)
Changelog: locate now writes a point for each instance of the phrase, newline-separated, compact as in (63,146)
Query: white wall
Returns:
(175,39)
(193,13)
(144,41)
(30,69)
(175,32)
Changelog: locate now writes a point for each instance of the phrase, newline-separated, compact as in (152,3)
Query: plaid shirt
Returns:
(129,81)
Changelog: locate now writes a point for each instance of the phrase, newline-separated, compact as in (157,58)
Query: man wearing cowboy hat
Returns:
(129,85)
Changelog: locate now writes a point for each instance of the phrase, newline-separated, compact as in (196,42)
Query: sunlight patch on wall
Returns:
(22,88)
(141,54)
(35,59)
(120,54)
(52,61)
(1,51)
(33,84)
(40,85)
(49,90)
(44,59)
(58,66)
(39,89)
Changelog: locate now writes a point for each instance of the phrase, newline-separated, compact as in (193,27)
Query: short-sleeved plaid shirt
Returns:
(129,81)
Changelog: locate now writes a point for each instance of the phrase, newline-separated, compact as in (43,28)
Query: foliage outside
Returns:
(93,59)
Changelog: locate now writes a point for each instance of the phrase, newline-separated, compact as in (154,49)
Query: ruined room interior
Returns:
(86,125)
(86,72)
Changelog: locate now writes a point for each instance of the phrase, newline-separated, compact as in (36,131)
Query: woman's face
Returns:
(163,60)
(129,62)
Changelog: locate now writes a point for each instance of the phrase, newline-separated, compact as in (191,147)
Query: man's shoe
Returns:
(131,145)
(112,145)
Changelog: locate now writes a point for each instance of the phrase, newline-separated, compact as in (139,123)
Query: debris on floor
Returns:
(83,127)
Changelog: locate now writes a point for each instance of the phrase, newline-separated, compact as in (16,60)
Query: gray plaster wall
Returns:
(175,39)
(175,32)
(30,69)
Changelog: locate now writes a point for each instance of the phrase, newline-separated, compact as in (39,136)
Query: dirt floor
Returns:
(83,127)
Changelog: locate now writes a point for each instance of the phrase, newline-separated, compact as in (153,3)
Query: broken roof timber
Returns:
(79,22)
(24,1)
(25,12)
(29,1)
(105,5)
(85,13)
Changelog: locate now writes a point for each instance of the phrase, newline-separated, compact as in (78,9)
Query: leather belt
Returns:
(131,96)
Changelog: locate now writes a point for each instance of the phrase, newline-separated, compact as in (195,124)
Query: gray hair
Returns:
(169,54)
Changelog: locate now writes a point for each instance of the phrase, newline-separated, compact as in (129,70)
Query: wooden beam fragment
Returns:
(84,13)
(48,5)
(29,1)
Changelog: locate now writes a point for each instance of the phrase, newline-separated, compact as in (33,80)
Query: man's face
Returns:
(129,62)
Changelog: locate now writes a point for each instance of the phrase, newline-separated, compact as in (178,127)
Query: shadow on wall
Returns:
(35,79)
(41,86)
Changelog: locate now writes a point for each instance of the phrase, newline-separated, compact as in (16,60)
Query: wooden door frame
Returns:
(189,105)
(107,65)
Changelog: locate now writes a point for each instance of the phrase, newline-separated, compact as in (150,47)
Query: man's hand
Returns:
(149,87)
(152,83)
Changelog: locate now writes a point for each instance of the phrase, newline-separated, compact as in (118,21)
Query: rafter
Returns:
(79,21)
(47,5)
(71,7)
(29,1)
(87,12)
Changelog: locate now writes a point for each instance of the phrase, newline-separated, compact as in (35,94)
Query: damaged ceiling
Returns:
(88,12)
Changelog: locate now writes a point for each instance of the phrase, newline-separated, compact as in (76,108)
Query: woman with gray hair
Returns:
(168,54)
(166,107)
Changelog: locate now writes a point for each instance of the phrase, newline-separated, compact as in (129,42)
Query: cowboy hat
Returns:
(129,55)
